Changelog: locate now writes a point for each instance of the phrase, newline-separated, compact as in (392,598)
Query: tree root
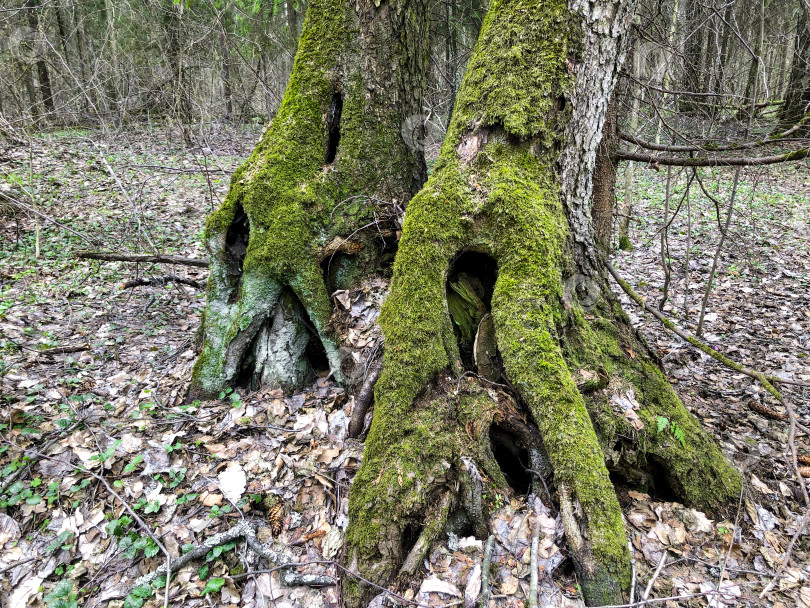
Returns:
(244,530)
(363,400)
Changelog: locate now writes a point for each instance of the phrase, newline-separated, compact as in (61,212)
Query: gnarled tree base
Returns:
(571,361)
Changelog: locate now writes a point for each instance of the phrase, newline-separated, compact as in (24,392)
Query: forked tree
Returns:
(506,355)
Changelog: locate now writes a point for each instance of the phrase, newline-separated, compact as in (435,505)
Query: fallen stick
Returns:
(62,350)
(136,257)
(788,552)
(20,205)
(483,597)
(653,579)
(534,559)
(764,379)
(160,281)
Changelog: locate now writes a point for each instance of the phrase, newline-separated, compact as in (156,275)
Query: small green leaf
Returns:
(213,585)
(58,542)
(143,591)
(133,602)
(678,433)
(151,549)
(62,589)
(662,423)
(135,462)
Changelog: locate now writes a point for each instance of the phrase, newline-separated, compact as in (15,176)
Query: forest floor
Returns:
(100,458)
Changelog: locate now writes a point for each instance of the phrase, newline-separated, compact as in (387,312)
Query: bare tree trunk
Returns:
(32,10)
(227,92)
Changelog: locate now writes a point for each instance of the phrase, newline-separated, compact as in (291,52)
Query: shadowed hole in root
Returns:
(470,284)
(346,270)
(651,478)
(286,351)
(409,537)
(236,243)
(513,458)
(333,123)
(339,271)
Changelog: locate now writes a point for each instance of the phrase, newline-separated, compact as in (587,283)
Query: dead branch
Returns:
(483,597)
(175,170)
(788,552)
(62,350)
(721,161)
(534,558)
(160,281)
(779,138)
(147,258)
(20,205)
(13,477)
(764,379)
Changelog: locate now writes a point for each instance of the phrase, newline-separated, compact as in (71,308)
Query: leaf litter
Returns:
(115,405)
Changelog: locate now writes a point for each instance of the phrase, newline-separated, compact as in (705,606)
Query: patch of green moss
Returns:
(696,468)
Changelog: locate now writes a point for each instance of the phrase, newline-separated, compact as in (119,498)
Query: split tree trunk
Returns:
(332,165)
(507,214)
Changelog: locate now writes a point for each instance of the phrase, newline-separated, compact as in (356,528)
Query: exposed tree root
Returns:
(363,400)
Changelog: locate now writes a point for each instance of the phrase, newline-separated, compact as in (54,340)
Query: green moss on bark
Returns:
(494,190)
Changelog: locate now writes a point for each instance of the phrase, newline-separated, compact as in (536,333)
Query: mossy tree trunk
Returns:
(331,173)
(505,219)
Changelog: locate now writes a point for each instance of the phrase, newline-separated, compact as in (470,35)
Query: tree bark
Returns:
(604,178)
(511,193)
(333,165)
